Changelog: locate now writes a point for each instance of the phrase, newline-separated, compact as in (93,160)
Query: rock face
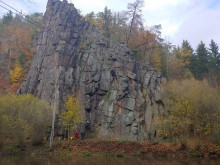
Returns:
(73,57)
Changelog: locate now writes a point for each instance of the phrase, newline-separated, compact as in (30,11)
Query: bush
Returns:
(23,118)
(192,110)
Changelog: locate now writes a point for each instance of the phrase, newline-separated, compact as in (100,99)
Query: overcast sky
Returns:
(193,20)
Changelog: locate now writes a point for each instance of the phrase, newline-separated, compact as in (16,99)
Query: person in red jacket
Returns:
(76,135)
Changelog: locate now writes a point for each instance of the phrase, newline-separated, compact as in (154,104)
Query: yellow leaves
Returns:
(179,63)
(99,22)
(146,44)
(185,56)
(38,30)
(156,59)
(16,74)
(188,74)
(193,108)
(73,114)
(162,133)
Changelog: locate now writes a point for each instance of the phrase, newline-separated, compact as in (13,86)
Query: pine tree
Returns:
(214,49)
(107,21)
(214,56)
(7,18)
(202,60)
(193,65)
(186,45)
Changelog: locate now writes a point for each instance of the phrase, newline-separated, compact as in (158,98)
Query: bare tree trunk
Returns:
(51,139)
(55,105)
(68,133)
(130,28)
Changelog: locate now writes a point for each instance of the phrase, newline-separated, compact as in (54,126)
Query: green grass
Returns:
(66,153)
(12,148)
(86,153)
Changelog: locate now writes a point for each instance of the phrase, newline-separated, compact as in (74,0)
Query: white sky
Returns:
(193,20)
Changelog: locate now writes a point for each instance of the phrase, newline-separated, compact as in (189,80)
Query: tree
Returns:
(90,17)
(107,17)
(214,56)
(146,45)
(202,60)
(186,53)
(3,85)
(15,47)
(191,110)
(17,73)
(72,115)
(186,45)
(199,62)
(118,26)
(134,16)
(7,18)
(213,75)
(214,49)
(165,54)
(180,61)
(23,118)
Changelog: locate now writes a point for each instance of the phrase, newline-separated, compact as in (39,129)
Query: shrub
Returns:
(23,118)
(192,110)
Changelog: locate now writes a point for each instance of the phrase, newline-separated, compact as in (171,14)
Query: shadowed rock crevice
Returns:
(73,56)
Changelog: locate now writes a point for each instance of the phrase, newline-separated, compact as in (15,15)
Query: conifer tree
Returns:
(186,45)
(202,60)
(214,56)
(7,18)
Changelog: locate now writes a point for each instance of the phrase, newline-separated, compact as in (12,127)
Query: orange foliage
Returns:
(14,88)
(18,40)
(147,44)
(4,84)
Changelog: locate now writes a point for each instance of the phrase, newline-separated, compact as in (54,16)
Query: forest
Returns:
(191,96)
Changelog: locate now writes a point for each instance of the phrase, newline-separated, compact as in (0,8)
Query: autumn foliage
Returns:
(192,111)
(191,98)
(16,51)
(72,114)
(23,118)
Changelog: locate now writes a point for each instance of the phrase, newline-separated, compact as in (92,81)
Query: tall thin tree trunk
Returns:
(68,133)
(51,139)
(55,105)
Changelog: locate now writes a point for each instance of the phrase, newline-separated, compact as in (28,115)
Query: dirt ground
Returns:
(140,149)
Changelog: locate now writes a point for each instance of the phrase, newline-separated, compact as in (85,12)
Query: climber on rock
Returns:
(87,125)
(113,73)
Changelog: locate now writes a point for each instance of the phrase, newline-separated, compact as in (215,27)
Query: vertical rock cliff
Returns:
(73,57)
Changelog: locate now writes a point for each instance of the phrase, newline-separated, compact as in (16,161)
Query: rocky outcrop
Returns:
(73,57)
